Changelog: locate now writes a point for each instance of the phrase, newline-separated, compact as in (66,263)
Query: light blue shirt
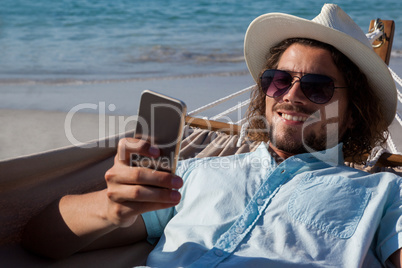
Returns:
(309,211)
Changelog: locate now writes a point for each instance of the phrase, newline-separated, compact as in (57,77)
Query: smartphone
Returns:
(160,121)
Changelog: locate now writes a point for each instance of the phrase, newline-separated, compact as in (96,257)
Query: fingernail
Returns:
(177,182)
(175,196)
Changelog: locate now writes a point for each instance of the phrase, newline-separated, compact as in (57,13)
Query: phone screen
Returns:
(160,121)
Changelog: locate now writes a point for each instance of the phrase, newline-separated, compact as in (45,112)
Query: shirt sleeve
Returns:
(156,221)
(390,230)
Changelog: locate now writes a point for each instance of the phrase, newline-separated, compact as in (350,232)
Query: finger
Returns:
(128,146)
(158,179)
(142,176)
(140,193)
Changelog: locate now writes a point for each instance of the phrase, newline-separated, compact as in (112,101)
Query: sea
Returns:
(85,41)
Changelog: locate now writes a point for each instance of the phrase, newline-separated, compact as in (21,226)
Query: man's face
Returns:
(326,123)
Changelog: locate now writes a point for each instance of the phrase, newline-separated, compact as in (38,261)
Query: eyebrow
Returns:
(303,74)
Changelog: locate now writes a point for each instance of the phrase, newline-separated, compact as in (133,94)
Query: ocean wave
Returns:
(163,53)
(73,38)
(74,81)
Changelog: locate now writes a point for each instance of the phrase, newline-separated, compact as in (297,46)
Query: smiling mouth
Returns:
(293,118)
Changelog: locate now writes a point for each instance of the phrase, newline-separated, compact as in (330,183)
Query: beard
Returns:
(312,138)
(310,142)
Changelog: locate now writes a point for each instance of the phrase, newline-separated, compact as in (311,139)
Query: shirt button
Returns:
(239,230)
(218,252)
(260,201)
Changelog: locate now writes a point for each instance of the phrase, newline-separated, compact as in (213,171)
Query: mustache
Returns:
(292,108)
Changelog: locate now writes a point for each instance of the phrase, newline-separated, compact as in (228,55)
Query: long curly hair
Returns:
(370,127)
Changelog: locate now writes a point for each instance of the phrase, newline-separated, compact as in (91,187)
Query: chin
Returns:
(311,142)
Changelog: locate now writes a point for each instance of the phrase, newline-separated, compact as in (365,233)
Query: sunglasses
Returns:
(316,87)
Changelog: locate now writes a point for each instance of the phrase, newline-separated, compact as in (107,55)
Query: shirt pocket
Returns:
(333,204)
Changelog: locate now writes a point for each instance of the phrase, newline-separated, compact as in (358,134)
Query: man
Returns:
(289,203)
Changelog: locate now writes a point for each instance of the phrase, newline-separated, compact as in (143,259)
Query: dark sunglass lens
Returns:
(317,88)
(274,82)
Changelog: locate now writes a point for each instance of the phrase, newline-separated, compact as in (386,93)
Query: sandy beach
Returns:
(36,118)
(41,117)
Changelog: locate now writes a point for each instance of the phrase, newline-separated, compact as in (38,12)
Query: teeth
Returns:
(294,118)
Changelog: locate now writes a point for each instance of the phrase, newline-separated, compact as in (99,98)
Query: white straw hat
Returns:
(332,26)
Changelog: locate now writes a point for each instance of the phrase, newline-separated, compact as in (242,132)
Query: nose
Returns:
(294,93)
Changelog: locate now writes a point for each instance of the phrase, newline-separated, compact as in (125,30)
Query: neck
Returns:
(282,154)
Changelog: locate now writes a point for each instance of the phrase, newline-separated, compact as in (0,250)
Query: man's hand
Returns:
(93,220)
(132,191)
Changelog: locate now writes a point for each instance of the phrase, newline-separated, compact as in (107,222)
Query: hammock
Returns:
(30,183)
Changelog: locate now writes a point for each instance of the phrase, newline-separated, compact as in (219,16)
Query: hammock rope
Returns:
(391,145)
(232,109)
(219,101)
(398,118)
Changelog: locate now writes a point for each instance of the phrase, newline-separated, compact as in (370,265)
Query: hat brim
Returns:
(270,29)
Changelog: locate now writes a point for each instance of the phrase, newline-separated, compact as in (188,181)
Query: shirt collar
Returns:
(332,156)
